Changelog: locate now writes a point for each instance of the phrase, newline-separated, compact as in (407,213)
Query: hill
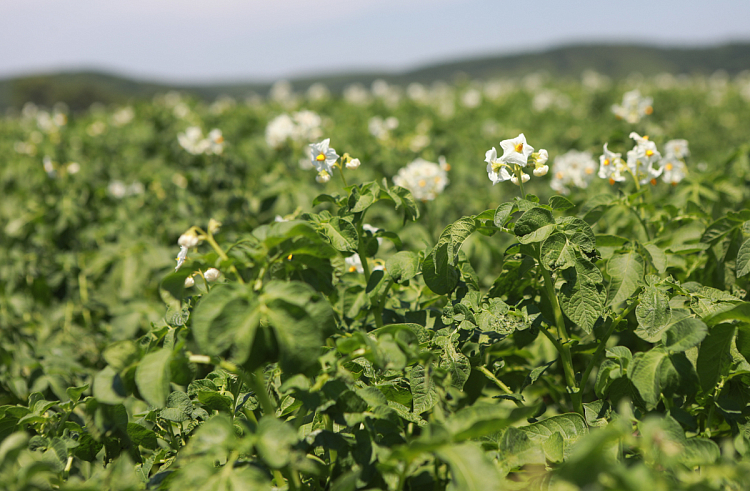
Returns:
(80,89)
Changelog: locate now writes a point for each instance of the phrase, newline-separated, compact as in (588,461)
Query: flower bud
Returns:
(323,177)
(214,226)
(189,239)
(189,282)
(353,164)
(541,171)
(212,274)
(542,158)
(514,180)
(525,177)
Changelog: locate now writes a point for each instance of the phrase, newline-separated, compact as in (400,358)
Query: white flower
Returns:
(353,164)
(516,150)
(541,171)
(215,142)
(279,130)
(497,170)
(123,116)
(633,107)
(642,159)
(73,168)
(189,240)
(323,177)
(675,170)
(212,274)
(49,167)
(189,282)
(573,168)
(354,264)
(424,179)
(117,189)
(611,166)
(181,257)
(192,141)
(323,157)
(677,148)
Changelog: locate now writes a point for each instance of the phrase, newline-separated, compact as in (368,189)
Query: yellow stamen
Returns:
(669,166)
(649,153)
(447,167)
(559,175)
(648,110)
(422,183)
(611,181)
(437,180)
(352,269)
(320,157)
(219,139)
(645,137)
(653,182)
(589,171)
(519,147)
(606,162)
(289,257)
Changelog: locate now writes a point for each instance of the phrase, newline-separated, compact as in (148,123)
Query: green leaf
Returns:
(172,288)
(561,203)
(645,376)
(109,387)
(743,259)
(658,257)
(503,212)
(402,266)
(684,334)
(626,273)
(653,313)
(554,448)
(301,319)
(74,393)
(557,252)
(226,317)
(533,220)
(571,426)
(274,441)
(740,312)
(438,268)
(714,355)
(152,377)
(424,395)
(582,296)
(470,469)
(342,234)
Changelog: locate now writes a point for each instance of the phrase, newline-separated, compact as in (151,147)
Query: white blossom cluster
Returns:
(424,179)
(301,126)
(633,107)
(381,128)
(194,142)
(517,155)
(572,168)
(645,163)
(45,121)
(118,189)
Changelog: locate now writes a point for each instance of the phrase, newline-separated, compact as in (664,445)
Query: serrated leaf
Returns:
(557,252)
(684,334)
(153,375)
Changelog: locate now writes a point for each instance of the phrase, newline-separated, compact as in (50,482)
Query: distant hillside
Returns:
(80,89)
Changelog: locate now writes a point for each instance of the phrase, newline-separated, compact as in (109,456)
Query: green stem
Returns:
(361,248)
(603,344)
(341,173)
(562,347)
(381,304)
(519,176)
(223,255)
(500,384)
(332,454)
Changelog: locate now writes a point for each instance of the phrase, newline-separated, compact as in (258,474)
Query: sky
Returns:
(190,41)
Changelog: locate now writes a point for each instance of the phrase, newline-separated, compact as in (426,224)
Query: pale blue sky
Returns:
(225,40)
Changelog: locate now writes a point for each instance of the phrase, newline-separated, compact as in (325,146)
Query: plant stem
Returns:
(361,250)
(500,384)
(519,176)
(223,255)
(381,304)
(341,173)
(562,347)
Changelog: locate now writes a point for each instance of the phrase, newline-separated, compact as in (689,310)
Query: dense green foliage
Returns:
(598,340)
